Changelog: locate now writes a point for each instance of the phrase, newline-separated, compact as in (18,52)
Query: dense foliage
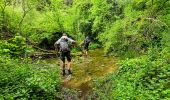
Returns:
(23,80)
(135,30)
(143,78)
(143,29)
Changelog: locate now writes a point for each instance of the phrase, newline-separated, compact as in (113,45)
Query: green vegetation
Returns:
(141,78)
(23,80)
(136,31)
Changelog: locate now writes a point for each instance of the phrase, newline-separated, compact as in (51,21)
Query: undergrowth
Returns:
(142,78)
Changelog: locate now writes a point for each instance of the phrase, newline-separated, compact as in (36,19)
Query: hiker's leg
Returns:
(69,65)
(63,68)
(69,68)
(86,49)
(69,62)
(62,56)
(63,65)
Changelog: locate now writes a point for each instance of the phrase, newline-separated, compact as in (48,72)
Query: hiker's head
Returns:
(64,34)
(88,36)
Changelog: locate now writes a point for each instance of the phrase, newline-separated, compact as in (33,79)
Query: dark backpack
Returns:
(64,45)
(87,40)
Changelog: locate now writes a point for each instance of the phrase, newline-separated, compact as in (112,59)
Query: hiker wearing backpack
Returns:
(85,44)
(63,46)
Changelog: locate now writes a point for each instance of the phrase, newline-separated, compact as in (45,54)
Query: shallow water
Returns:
(86,69)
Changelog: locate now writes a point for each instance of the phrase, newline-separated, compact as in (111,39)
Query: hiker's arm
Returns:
(71,40)
(56,44)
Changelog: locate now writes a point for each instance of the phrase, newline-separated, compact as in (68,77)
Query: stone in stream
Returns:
(102,65)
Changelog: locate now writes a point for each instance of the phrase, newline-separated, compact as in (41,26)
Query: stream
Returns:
(87,69)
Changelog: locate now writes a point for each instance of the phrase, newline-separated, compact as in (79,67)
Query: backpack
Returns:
(87,40)
(64,45)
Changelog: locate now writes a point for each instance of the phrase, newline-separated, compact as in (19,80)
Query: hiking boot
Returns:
(69,72)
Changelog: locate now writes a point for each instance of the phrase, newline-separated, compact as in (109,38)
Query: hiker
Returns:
(63,47)
(85,44)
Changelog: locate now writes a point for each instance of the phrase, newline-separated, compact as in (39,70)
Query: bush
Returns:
(27,81)
(94,46)
(142,78)
(15,47)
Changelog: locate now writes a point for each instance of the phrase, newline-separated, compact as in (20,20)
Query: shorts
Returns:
(86,46)
(65,54)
